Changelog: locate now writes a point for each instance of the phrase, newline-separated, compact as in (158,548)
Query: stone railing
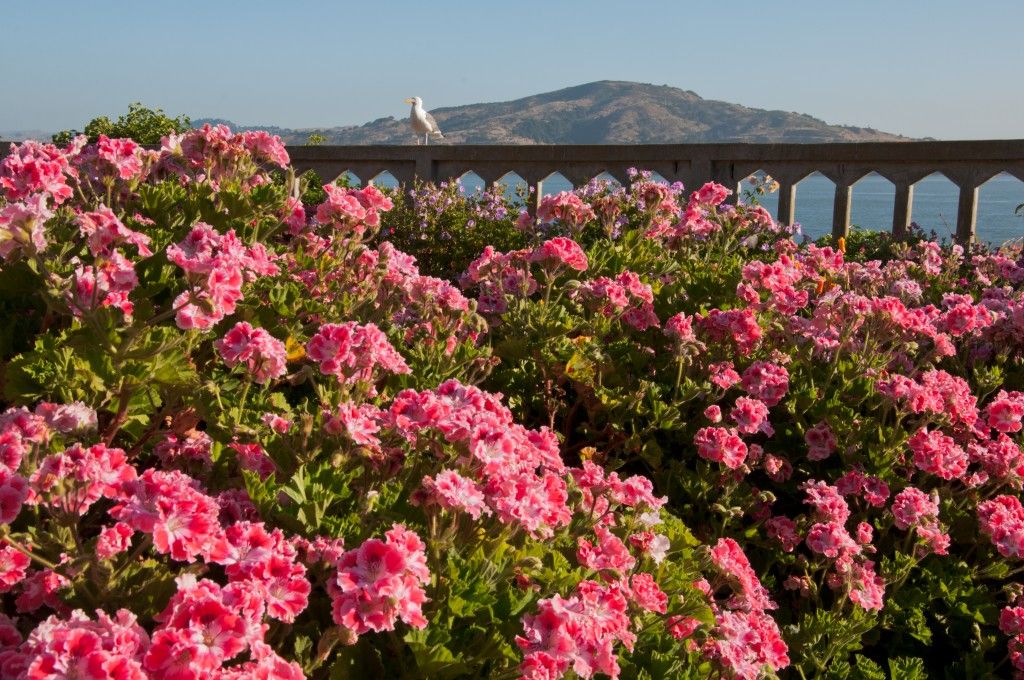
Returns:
(967,164)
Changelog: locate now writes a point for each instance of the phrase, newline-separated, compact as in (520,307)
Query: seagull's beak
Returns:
(408,100)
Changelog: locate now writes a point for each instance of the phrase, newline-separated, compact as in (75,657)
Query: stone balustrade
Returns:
(967,164)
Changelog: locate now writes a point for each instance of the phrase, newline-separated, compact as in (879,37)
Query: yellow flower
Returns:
(842,244)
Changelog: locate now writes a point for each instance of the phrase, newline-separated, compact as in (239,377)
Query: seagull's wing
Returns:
(433,125)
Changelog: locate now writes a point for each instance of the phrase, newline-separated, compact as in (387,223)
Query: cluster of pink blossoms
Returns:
(33,178)
(381,582)
(263,355)
(625,297)
(738,325)
(352,210)
(497,275)
(214,155)
(567,209)
(204,626)
(1002,520)
(352,351)
(559,252)
(217,265)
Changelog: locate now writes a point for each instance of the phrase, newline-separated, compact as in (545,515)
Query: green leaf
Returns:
(907,668)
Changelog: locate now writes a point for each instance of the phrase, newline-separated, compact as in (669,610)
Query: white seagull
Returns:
(422,122)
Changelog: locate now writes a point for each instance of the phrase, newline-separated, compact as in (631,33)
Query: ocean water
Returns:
(934,208)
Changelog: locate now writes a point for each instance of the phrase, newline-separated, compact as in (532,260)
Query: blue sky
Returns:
(919,67)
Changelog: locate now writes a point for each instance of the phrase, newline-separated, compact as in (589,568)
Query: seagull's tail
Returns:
(437,133)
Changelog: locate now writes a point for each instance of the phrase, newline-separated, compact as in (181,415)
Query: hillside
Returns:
(605,112)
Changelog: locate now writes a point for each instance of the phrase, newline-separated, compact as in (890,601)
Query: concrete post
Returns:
(901,214)
(841,210)
(967,212)
(787,202)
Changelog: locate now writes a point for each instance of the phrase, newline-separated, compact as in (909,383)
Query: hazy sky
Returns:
(918,67)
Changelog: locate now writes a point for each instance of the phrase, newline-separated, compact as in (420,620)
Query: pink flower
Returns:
(711,193)
(14,489)
(381,582)
(78,647)
(253,458)
(767,381)
(739,325)
(73,418)
(721,445)
(783,530)
(831,539)
(1006,411)
(750,415)
(567,208)
(821,442)
(724,375)
(938,454)
(13,566)
(360,423)
(728,556)
(278,424)
(867,588)
(745,641)
(578,632)
(112,540)
(122,154)
(34,168)
(679,328)
(179,451)
(610,553)
(40,588)
(75,479)
(263,355)
(343,209)
(352,351)
(182,520)
(648,594)
(913,507)
(713,413)
(264,146)
(103,230)
(828,503)
(560,252)
(452,490)
(23,227)
(1002,520)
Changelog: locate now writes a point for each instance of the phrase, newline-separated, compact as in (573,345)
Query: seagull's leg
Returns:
(426,138)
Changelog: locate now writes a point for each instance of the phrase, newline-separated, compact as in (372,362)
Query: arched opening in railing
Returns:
(348,179)
(554,183)
(815,198)
(657,177)
(385,180)
(998,199)
(471,183)
(606,177)
(514,188)
(757,189)
(873,202)
(935,205)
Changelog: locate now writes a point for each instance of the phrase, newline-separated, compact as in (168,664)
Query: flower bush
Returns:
(644,434)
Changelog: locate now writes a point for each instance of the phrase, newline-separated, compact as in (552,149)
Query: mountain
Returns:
(605,112)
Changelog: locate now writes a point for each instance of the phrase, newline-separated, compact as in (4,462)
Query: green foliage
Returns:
(144,125)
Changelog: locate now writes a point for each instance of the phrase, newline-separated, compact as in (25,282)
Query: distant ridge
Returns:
(604,112)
